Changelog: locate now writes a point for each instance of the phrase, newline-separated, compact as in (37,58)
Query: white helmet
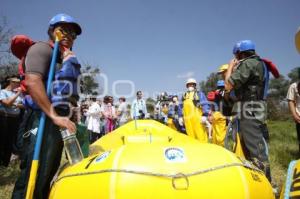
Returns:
(191,81)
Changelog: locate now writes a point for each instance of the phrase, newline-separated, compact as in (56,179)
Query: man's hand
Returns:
(233,63)
(18,90)
(64,122)
(296,118)
(232,66)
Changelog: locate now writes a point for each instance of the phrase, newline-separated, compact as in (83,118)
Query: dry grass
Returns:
(7,179)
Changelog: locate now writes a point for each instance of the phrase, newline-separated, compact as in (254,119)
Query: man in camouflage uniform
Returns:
(246,76)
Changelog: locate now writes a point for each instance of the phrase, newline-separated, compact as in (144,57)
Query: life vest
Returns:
(65,81)
(257,89)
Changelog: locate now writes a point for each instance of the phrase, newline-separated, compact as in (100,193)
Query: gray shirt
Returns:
(38,59)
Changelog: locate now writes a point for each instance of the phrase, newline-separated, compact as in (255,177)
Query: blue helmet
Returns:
(243,45)
(64,18)
(220,83)
(236,48)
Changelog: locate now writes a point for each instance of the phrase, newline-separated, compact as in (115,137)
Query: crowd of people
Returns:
(240,96)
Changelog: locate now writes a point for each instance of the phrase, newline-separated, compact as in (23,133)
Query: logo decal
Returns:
(102,157)
(175,154)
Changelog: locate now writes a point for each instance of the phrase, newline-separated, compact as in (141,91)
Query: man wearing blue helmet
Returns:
(37,64)
(246,76)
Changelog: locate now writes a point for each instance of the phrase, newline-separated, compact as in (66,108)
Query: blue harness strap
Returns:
(266,81)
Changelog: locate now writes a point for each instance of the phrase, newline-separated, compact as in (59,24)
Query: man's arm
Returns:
(204,103)
(292,108)
(38,93)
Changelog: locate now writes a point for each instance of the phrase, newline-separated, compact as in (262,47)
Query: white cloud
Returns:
(186,75)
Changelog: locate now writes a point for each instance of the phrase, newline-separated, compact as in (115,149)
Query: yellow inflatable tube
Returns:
(153,161)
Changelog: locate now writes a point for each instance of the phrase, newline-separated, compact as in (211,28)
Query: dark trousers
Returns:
(94,136)
(49,160)
(298,135)
(8,132)
(254,144)
(18,141)
(178,127)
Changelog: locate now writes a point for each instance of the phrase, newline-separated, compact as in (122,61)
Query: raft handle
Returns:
(178,176)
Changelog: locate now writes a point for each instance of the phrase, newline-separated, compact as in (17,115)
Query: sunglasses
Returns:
(69,32)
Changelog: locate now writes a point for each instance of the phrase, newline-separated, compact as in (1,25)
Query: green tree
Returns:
(276,95)
(6,33)
(278,87)
(8,64)
(7,70)
(210,84)
(88,84)
(294,74)
(150,104)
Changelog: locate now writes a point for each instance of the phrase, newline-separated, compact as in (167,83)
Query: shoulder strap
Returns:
(266,80)
(184,96)
(196,96)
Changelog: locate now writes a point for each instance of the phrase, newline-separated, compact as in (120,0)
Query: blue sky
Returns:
(157,44)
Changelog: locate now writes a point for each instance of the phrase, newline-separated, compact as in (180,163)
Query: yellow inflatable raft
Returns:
(148,160)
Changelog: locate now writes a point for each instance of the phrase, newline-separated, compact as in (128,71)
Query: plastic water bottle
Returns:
(72,147)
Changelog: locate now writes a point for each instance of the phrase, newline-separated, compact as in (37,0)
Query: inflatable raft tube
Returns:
(153,161)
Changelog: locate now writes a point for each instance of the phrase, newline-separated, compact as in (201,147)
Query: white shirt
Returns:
(136,106)
(93,120)
(124,112)
(13,110)
(294,96)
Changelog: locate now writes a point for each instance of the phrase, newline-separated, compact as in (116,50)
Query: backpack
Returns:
(19,46)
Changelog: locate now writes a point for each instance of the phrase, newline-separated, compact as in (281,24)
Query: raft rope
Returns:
(174,177)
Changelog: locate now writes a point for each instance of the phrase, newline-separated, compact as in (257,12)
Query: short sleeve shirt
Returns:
(38,59)
(293,95)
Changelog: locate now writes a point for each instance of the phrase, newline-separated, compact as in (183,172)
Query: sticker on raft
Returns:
(102,157)
(175,154)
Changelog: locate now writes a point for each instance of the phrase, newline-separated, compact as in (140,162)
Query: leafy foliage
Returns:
(88,84)
(150,104)
(8,65)
(294,74)
(6,33)
(210,84)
